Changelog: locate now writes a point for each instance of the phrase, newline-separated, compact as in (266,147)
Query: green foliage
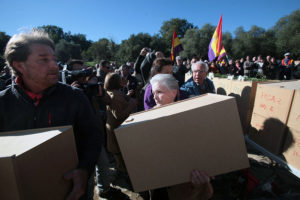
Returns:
(287,33)
(255,42)
(196,41)
(67,50)
(104,49)
(78,39)
(91,64)
(175,24)
(3,41)
(56,33)
(130,49)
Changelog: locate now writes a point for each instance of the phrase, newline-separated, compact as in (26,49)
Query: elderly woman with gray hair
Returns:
(165,89)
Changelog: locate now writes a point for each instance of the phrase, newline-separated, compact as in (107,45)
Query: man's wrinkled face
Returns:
(40,68)
(199,73)
(162,95)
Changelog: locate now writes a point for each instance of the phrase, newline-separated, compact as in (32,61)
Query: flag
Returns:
(176,46)
(222,53)
(215,43)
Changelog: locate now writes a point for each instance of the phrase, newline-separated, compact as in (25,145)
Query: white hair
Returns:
(166,80)
(204,64)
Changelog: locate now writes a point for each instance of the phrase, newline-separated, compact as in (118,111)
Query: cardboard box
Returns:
(268,132)
(162,146)
(244,92)
(222,85)
(272,103)
(33,162)
(273,100)
(292,148)
(294,117)
(292,142)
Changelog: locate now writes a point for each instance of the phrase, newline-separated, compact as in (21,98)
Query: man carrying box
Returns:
(36,99)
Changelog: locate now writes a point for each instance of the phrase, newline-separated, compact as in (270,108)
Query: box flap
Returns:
(18,142)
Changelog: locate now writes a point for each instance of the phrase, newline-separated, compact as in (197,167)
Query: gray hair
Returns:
(204,64)
(18,47)
(166,80)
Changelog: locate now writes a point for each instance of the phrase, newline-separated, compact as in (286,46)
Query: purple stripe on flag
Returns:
(221,56)
(177,49)
(211,53)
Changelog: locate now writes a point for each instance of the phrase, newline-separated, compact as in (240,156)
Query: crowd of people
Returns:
(257,67)
(96,101)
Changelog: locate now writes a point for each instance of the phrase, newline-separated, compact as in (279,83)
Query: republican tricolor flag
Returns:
(176,46)
(222,53)
(215,43)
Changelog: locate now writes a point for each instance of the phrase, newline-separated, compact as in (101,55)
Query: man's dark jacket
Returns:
(146,66)
(137,64)
(179,73)
(60,105)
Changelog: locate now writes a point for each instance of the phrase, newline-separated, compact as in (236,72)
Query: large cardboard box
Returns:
(222,85)
(294,117)
(270,114)
(244,92)
(268,132)
(162,146)
(33,162)
(292,148)
(292,142)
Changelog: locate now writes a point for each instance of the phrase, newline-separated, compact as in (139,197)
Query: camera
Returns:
(92,89)
(69,76)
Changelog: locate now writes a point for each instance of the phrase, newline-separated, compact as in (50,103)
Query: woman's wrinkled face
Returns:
(162,95)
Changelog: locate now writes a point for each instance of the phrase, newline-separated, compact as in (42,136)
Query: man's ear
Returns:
(19,66)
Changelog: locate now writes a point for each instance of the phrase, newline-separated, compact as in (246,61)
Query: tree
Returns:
(227,42)
(196,41)
(191,43)
(287,34)
(103,49)
(3,41)
(56,33)
(268,45)
(158,44)
(78,39)
(67,50)
(175,24)
(130,49)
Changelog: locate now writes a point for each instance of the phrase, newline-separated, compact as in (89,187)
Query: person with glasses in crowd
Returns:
(198,84)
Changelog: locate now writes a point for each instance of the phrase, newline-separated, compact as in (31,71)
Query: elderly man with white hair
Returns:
(198,84)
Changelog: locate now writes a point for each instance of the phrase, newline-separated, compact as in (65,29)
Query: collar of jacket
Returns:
(21,93)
